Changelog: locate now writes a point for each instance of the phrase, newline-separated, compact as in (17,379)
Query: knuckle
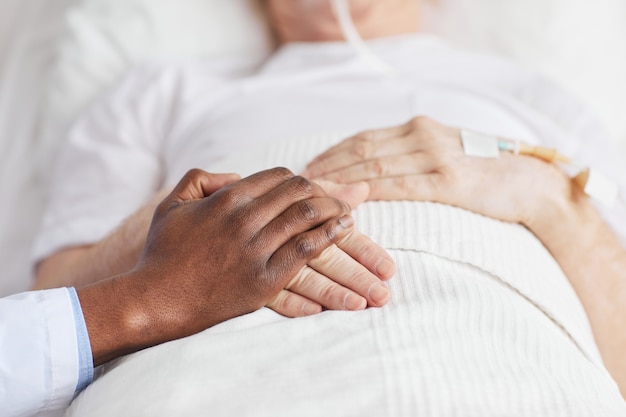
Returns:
(366,246)
(281,172)
(330,232)
(403,184)
(298,282)
(282,302)
(305,247)
(244,225)
(366,135)
(303,185)
(328,257)
(229,197)
(329,292)
(379,167)
(421,122)
(195,173)
(445,176)
(342,206)
(361,147)
(361,279)
(308,210)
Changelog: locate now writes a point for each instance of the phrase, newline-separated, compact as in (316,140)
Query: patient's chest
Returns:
(214,122)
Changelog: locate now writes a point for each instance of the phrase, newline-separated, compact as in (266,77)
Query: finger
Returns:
(300,217)
(424,187)
(197,184)
(262,182)
(325,291)
(389,166)
(293,305)
(353,194)
(301,249)
(340,281)
(287,194)
(368,254)
(370,135)
(357,150)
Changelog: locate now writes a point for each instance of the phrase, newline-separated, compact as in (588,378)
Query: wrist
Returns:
(557,207)
(118,318)
(573,231)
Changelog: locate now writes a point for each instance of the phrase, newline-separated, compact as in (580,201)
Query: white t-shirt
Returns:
(166,119)
(479,307)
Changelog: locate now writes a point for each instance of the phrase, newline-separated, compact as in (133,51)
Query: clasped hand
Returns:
(238,244)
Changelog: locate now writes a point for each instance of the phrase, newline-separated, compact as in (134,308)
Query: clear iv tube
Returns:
(342,11)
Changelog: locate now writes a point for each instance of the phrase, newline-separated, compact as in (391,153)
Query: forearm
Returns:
(119,317)
(113,255)
(594,261)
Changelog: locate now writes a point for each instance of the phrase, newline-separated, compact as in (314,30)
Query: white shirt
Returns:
(167,119)
(45,355)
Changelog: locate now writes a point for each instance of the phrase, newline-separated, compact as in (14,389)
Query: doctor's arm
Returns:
(110,167)
(212,253)
(346,276)
(424,160)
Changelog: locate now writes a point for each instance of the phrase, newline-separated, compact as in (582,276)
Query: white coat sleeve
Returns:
(45,357)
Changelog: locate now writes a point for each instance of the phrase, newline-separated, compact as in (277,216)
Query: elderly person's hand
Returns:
(424,160)
(346,276)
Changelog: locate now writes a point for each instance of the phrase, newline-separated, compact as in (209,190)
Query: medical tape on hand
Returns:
(595,184)
(480,144)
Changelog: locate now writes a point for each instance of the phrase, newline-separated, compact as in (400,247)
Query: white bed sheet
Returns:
(465,334)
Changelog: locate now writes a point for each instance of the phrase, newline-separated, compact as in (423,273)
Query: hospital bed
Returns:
(58,56)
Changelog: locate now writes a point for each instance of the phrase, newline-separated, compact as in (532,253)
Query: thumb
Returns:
(198,184)
(353,194)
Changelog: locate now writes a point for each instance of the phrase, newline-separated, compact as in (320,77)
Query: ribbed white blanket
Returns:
(482,323)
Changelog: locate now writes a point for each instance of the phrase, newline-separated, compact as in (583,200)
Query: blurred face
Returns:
(314,20)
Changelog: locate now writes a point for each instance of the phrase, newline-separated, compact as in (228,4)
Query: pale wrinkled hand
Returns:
(346,276)
(424,160)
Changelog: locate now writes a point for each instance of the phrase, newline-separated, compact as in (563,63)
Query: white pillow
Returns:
(103,39)
(580,44)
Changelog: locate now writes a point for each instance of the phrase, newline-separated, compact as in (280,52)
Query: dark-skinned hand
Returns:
(214,252)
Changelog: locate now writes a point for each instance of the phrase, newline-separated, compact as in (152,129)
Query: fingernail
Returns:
(346,221)
(354,302)
(385,268)
(309,309)
(378,293)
